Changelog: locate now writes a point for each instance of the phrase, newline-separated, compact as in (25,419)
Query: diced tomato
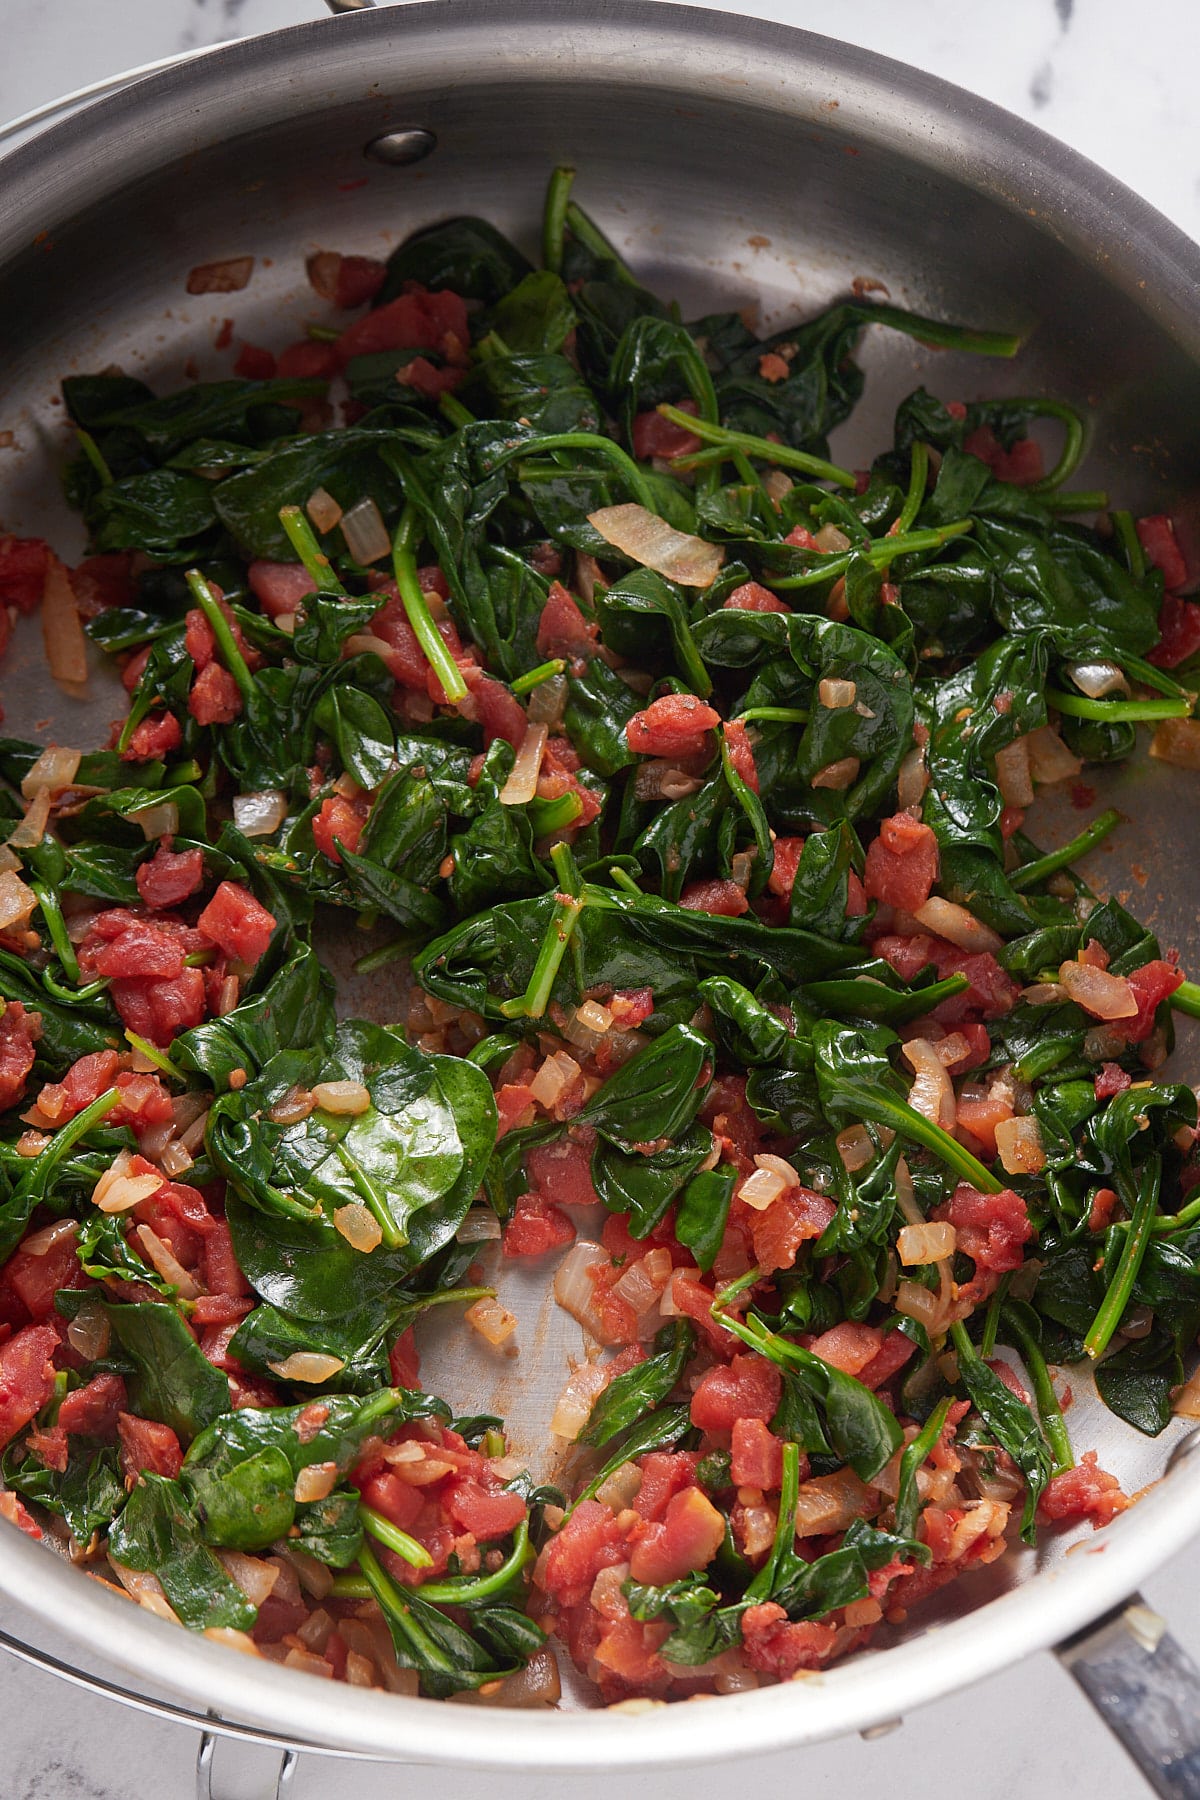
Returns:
(142,950)
(147,1447)
(631,1007)
(902,863)
(236,923)
(991,991)
(222,1272)
(397,1500)
(418,320)
(562,629)
(748,1388)
(590,1540)
(757,1458)
(87,1078)
(92,1410)
(535,1227)
(170,877)
(800,538)
(856,896)
(426,379)
(724,899)
(1086,1491)
(279,587)
(346,281)
(404,1360)
(1022,465)
(891,1356)
(741,753)
(1156,535)
(782,879)
(215,698)
(798,1215)
(101,582)
(484,1514)
(308,361)
(1153,983)
(655,436)
(665,1473)
(1104,1204)
(22,572)
(672,725)
(158,1009)
(153,738)
(778,1647)
(1111,1080)
(51,1448)
(1178,632)
(15,1511)
(254,363)
(981,1113)
(562,1171)
(515,1106)
(26,1376)
(499,712)
(686,1539)
(992,1229)
(19,1033)
(339,821)
(36,1279)
(753,597)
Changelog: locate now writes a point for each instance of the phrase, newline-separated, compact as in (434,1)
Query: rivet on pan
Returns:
(884,1728)
(409,144)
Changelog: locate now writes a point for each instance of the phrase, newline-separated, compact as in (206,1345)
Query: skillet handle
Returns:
(1146,1688)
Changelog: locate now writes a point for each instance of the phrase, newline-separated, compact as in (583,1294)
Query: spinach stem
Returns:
(454,412)
(91,450)
(880,554)
(401,1617)
(386,953)
(536,998)
(1073,440)
(908,1498)
(67,1136)
(56,925)
(544,672)
(991,1319)
(902,1118)
(404,1546)
(1033,872)
(1077,706)
(416,607)
(593,239)
(1078,500)
(351,1587)
(468,1591)
(1126,534)
(1186,999)
(322,334)
(624,880)
(547,816)
(917,480)
(774,715)
(303,539)
(731,441)
(152,1054)
(1049,1411)
(1133,1250)
(376,1202)
(939,334)
(634,476)
(232,657)
(554,217)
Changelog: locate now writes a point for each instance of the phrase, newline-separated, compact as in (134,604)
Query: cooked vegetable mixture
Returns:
(533,629)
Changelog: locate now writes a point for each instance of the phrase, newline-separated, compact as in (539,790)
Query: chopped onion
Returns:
(316,1481)
(62,634)
(660,779)
(228,276)
(9,860)
(649,540)
(831,540)
(547,701)
(573,1287)
(919,1303)
(832,1503)
(314,1576)
(558,1073)
(912,780)
(174,1159)
(594,1017)
(925,1243)
(1096,679)
(668,1306)
(479,1226)
(1019,1143)
(16,900)
(55,769)
(855,1148)
(89,1332)
(167,1263)
(1049,758)
(365,533)
(40,1243)
(346,1099)
(1177,741)
(952,1049)
(521,785)
(256,1577)
(641,1285)
(492,1321)
(117,1190)
(292,1107)
(621,1488)
(1186,1402)
(1012,773)
(932,1093)
(359,1226)
(322,509)
(730,1674)
(232,1639)
(361,643)
(536,1685)
(28,834)
(261,814)
(146,1589)
(834,695)
(575,1402)
(307,1365)
(958,926)
(1103,995)
(838,775)
(159,821)
(762,1189)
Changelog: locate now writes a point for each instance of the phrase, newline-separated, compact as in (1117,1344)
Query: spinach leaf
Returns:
(631,1396)
(157,1534)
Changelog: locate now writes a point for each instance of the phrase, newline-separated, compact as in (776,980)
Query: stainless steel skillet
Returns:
(732,160)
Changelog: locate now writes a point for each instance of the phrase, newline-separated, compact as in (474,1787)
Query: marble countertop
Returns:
(1124,97)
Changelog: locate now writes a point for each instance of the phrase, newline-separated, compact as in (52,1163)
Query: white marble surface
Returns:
(1116,82)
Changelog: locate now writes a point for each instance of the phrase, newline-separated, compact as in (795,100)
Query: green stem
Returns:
(351,1587)
(593,239)
(918,477)
(376,1202)
(303,539)
(73,996)
(404,1546)
(1054,1427)
(569,879)
(881,553)
(386,953)
(1108,1318)
(399,1614)
(232,657)
(69,1135)
(554,218)
(781,454)
(1186,999)
(533,1002)
(991,1319)
(785,1528)
(547,816)
(153,1054)
(908,1499)
(623,879)
(91,450)
(911,1124)
(454,412)
(1077,500)
(938,333)
(322,334)
(544,672)
(1073,441)
(1125,532)
(469,1591)
(56,925)
(1034,872)
(416,607)
(1077,706)
(634,476)
(774,715)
